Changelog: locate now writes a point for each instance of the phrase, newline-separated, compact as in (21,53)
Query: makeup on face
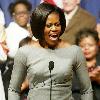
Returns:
(52,29)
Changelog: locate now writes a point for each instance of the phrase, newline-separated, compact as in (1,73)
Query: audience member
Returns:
(16,31)
(2,18)
(93,6)
(3,53)
(88,40)
(3,46)
(3,58)
(76,19)
(49,62)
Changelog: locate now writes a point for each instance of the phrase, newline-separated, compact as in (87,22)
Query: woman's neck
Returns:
(61,44)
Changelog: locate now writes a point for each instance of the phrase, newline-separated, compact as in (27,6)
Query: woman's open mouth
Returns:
(53,37)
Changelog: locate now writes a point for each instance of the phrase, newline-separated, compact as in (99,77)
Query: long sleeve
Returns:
(3,55)
(17,77)
(82,74)
(2,18)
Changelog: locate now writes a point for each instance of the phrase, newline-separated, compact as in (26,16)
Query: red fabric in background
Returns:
(50,1)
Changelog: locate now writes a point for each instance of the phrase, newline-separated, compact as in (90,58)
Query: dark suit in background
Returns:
(81,19)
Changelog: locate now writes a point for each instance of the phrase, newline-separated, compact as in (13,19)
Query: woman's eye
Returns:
(57,24)
(48,25)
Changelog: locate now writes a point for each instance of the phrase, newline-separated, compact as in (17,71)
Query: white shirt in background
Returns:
(69,16)
(15,34)
(2,18)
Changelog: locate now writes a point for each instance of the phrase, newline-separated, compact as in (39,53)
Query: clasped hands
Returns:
(94,74)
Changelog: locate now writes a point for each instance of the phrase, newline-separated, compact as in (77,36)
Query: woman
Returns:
(49,63)
(3,53)
(3,58)
(88,40)
(17,30)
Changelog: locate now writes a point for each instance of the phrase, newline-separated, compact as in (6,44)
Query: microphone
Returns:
(51,66)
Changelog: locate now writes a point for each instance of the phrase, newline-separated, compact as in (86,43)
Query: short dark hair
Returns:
(86,33)
(12,6)
(39,17)
(25,41)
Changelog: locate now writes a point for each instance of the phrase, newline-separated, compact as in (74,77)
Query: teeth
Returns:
(53,38)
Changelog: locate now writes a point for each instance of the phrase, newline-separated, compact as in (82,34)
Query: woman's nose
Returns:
(53,27)
(86,47)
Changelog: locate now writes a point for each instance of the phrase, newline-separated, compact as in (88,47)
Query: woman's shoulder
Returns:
(32,46)
(65,44)
(26,47)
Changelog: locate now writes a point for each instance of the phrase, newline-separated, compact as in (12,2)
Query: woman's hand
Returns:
(95,74)
(5,48)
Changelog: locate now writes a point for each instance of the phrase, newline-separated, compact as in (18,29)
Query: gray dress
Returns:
(35,61)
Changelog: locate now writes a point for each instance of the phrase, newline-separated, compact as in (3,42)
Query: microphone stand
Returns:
(51,66)
(50,86)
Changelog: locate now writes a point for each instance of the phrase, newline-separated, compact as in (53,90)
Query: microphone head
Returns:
(51,65)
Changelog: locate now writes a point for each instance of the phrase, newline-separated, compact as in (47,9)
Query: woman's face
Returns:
(21,15)
(52,30)
(89,47)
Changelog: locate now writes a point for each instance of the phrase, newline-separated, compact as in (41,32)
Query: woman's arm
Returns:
(17,77)
(25,85)
(83,76)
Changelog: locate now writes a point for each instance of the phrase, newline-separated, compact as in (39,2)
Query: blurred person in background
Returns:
(18,29)
(3,47)
(76,19)
(88,40)
(3,53)
(2,18)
